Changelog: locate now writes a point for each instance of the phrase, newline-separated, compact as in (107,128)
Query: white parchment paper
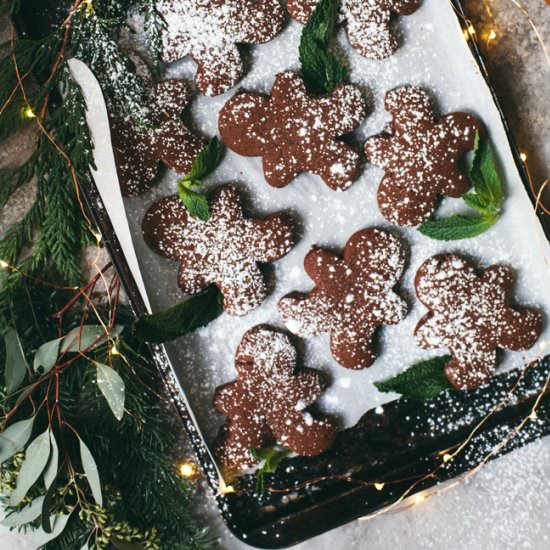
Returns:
(433,54)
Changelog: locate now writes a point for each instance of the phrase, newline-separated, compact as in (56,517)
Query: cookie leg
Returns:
(243,288)
(468,370)
(338,165)
(353,349)
(305,314)
(218,69)
(521,329)
(369,32)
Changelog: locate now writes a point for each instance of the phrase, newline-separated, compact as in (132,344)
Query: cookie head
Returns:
(210,31)
(471,315)
(368,22)
(295,132)
(268,402)
(420,156)
(225,250)
(139,152)
(354,295)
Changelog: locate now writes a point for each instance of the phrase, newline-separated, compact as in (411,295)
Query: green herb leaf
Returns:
(271,458)
(25,515)
(195,203)
(458,227)
(111,386)
(90,469)
(16,365)
(477,202)
(186,317)
(207,161)
(484,174)
(36,458)
(51,470)
(14,438)
(322,71)
(422,381)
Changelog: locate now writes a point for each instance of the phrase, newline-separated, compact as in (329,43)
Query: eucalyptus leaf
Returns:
(58,523)
(111,386)
(90,469)
(36,458)
(51,470)
(46,355)
(16,365)
(25,515)
(90,337)
(14,438)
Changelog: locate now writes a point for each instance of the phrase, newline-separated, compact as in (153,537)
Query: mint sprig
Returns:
(486,199)
(422,381)
(206,162)
(271,457)
(181,319)
(321,70)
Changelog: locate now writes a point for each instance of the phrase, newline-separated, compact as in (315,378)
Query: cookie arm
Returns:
(352,347)
(259,21)
(379,150)
(430,332)
(468,369)
(226,399)
(272,237)
(521,328)
(306,314)
(343,109)
(219,68)
(243,288)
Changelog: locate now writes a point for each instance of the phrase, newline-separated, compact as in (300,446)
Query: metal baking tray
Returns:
(308,496)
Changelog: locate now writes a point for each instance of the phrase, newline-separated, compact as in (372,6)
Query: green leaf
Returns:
(51,470)
(48,503)
(458,227)
(478,203)
(90,337)
(206,162)
(195,203)
(484,173)
(36,458)
(322,71)
(46,355)
(271,458)
(16,365)
(58,523)
(112,387)
(422,381)
(25,515)
(181,319)
(14,438)
(126,545)
(92,475)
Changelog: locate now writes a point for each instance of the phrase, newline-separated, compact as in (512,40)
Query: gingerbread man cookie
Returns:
(368,22)
(224,250)
(295,132)
(209,31)
(354,295)
(470,315)
(420,156)
(139,151)
(268,402)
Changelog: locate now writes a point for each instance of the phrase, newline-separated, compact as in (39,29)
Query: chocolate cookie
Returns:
(470,315)
(138,151)
(210,30)
(268,402)
(368,22)
(224,250)
(295,132)
(354,295)
(419,156)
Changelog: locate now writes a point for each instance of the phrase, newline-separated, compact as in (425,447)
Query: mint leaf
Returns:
(422,381)
(186,317)
(207,161)
(195,203)
(478,203)
(322,71)
(458,227)
(271,458)
(484,174)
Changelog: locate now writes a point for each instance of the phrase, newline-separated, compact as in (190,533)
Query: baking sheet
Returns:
(434,54)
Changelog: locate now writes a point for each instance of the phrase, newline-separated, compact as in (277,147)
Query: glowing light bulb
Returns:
(471,30)
(28,112)
(492,35)
(225,489)
(419,498)
(188,469)
(379,485)
(533,415)
(447,457)
(3,264)
(97,237)
(114,350)
(523,157)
